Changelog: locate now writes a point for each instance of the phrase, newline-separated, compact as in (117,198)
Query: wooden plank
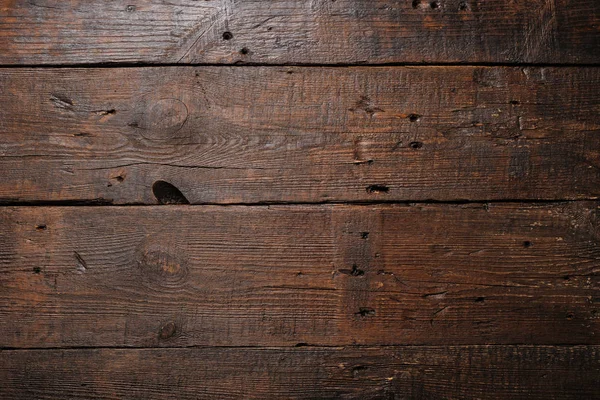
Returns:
(286,275)
(290,31)
(257,134)
(470,372)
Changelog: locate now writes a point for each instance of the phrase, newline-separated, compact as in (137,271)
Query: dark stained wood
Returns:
(289,31)
(416,373)
(478,119)
(283,275)
(274,134)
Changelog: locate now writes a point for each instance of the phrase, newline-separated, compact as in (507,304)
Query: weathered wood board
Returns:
(291,31)
(389,199)
(286,275)
(271,134)
(406,372)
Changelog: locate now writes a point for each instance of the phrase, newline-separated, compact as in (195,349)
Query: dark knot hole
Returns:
(166,193)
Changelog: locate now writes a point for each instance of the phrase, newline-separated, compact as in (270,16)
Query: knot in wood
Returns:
(162,267)
(163,119)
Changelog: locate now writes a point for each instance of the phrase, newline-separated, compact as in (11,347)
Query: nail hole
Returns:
(414,117)
(415,3)
(480,299)
(41,227)
(377,189)
(166,193)
(364,235)
(515,102)
(566,277)
(416,145)
(462,6)
(130,8)
(365,312)
(120,178)
(434,5)
(227,36)
(527,244)
(355,271)
(37,270)
(570,316)
(244,51)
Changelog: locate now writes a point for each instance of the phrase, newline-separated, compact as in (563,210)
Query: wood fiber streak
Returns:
(282,134)
(290,31)
(286,275)
(416,373)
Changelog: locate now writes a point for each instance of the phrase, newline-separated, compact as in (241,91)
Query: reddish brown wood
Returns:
(283,275)
(383,301)
(256,134)
(416,373)
(289,31)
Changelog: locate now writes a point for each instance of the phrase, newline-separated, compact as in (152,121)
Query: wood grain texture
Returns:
(492,293)
(283,275)
(416,373)
(289,31)
(273,134)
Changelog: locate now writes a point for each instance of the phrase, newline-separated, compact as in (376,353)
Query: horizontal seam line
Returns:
(109,203)
(110,64)
(313,346)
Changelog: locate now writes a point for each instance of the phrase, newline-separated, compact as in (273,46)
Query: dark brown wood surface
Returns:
(325,199)
(258,134)
(421,373)
(288,275)
(289,31)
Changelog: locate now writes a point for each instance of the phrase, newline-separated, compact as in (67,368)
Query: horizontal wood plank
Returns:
(258,134)
(416,373)
(286,275)
(290,31)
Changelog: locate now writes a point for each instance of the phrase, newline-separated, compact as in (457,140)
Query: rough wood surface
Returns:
(491,107)
(284,275)
(415,373)
(290,31)
(273,134)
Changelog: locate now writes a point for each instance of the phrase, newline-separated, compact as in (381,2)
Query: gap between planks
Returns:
(109,65)
(109,203)
(299,346)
